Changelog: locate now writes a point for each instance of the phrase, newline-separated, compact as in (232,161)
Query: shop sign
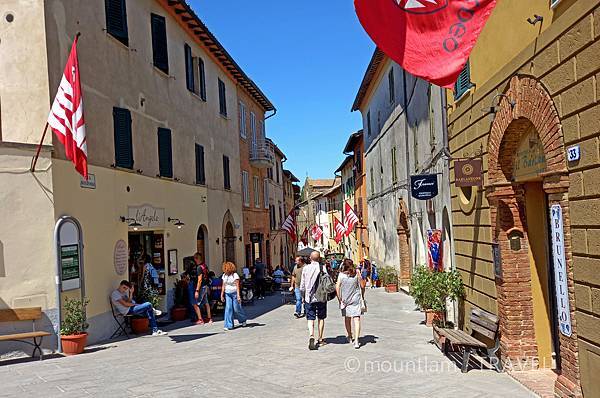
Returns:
(150,217)
(424,186)
(529,161)
(121,257)
(69,257)
(468,173)
(560,271)
(497,255)
(69,262)
(89,183)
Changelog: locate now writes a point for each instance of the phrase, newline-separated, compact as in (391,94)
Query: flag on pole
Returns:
(289,225)
(304,237)
(316,232)
(351,219)
(66,116)
(431,39)
(339,229)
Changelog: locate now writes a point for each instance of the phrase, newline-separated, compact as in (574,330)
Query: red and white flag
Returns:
(340,231)
(66,116)
(304,237)
(351,219)
(431,39)
(316,232)
(289,225)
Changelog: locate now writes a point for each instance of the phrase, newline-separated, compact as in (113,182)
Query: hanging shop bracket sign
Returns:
(468,172)
(560,271)
(424,186)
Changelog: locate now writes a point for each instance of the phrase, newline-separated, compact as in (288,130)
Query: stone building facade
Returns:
(538,138)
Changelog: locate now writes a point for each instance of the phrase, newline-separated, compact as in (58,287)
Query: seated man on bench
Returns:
(122,299)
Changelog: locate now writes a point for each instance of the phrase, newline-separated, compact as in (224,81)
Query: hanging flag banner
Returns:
(434,250)
(424,186)
(431,39)
(468,173)
(560,271)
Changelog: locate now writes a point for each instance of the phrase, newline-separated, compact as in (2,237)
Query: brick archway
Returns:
(403,230)
(527,105)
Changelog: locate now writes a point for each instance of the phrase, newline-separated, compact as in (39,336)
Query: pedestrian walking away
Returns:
(259,277)
(232,296)
(295,285)
(350,290)
(315,308)
(123,301)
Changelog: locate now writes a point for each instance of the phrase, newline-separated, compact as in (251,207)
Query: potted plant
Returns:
(389,279)
(73,334)
(140,324)
(432,289)
(179,310)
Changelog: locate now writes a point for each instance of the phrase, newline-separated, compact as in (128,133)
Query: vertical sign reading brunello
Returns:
(560,271)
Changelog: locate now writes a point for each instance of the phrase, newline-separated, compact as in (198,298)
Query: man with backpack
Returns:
(317,288)
(199,289)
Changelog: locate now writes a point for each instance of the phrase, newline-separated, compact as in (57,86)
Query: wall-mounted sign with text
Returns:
(150,217)
(563,306)
(424,186)
(468,173)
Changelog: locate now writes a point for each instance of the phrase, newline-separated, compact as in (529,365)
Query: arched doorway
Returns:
(201,241)
(403,230)
(228,238)
(527,175)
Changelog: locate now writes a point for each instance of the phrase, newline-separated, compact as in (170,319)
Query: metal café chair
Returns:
(123,322)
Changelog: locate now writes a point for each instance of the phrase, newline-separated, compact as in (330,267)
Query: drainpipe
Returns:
(272,114)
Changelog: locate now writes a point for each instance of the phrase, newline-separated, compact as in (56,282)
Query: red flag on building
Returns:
(289,225)
(339,229)
(316,232)
(351,219)
(66,116)
(304,237)
(431,39)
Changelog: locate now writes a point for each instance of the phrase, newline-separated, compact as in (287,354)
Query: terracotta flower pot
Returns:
(391,288)
(178,313)
(73,344)
(140,325)
(432,316)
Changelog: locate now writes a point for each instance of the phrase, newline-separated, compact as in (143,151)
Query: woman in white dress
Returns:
(350,290)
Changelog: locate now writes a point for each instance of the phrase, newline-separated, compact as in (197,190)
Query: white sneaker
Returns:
(349,339)
(159,333)
(157,312)
(244,324)
(356,344)
(226,329)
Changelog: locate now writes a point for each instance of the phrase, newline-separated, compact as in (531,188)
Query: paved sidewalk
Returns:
(268,359)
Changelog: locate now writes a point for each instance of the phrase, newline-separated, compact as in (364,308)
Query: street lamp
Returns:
(177,222)
(132,222)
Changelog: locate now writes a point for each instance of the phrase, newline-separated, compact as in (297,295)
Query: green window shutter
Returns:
(226,176)
(222,98)
(123,139)
(116,20)
(160,53)
(463,84)
(165,153)
(200,173)
(202,77)
(189,68)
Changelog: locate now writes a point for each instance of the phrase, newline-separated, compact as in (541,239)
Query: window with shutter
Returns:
(160,51)
(245,189)
(256,187)
(226,176)
(189,68)
(123,139)
(266,193)
(202,77)
(463,84)
(242,120)
(116,20)
(200,173)
(222,98)
(165,153)
(394,166)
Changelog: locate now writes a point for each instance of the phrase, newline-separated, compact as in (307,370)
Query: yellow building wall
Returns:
(564,54)
(98,211)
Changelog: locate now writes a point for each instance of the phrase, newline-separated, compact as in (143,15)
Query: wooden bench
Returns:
(25,314)
(483,323)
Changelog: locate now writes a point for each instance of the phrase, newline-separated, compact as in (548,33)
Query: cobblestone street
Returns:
(268,358)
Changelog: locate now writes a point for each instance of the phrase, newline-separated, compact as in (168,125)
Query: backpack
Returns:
(325,288)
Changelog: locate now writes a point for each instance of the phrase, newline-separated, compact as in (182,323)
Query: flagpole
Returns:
(39,148)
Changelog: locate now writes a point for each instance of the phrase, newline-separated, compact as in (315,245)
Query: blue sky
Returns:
(309,58)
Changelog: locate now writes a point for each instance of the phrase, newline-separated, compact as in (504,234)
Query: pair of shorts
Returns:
(316,310)
(202,295)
